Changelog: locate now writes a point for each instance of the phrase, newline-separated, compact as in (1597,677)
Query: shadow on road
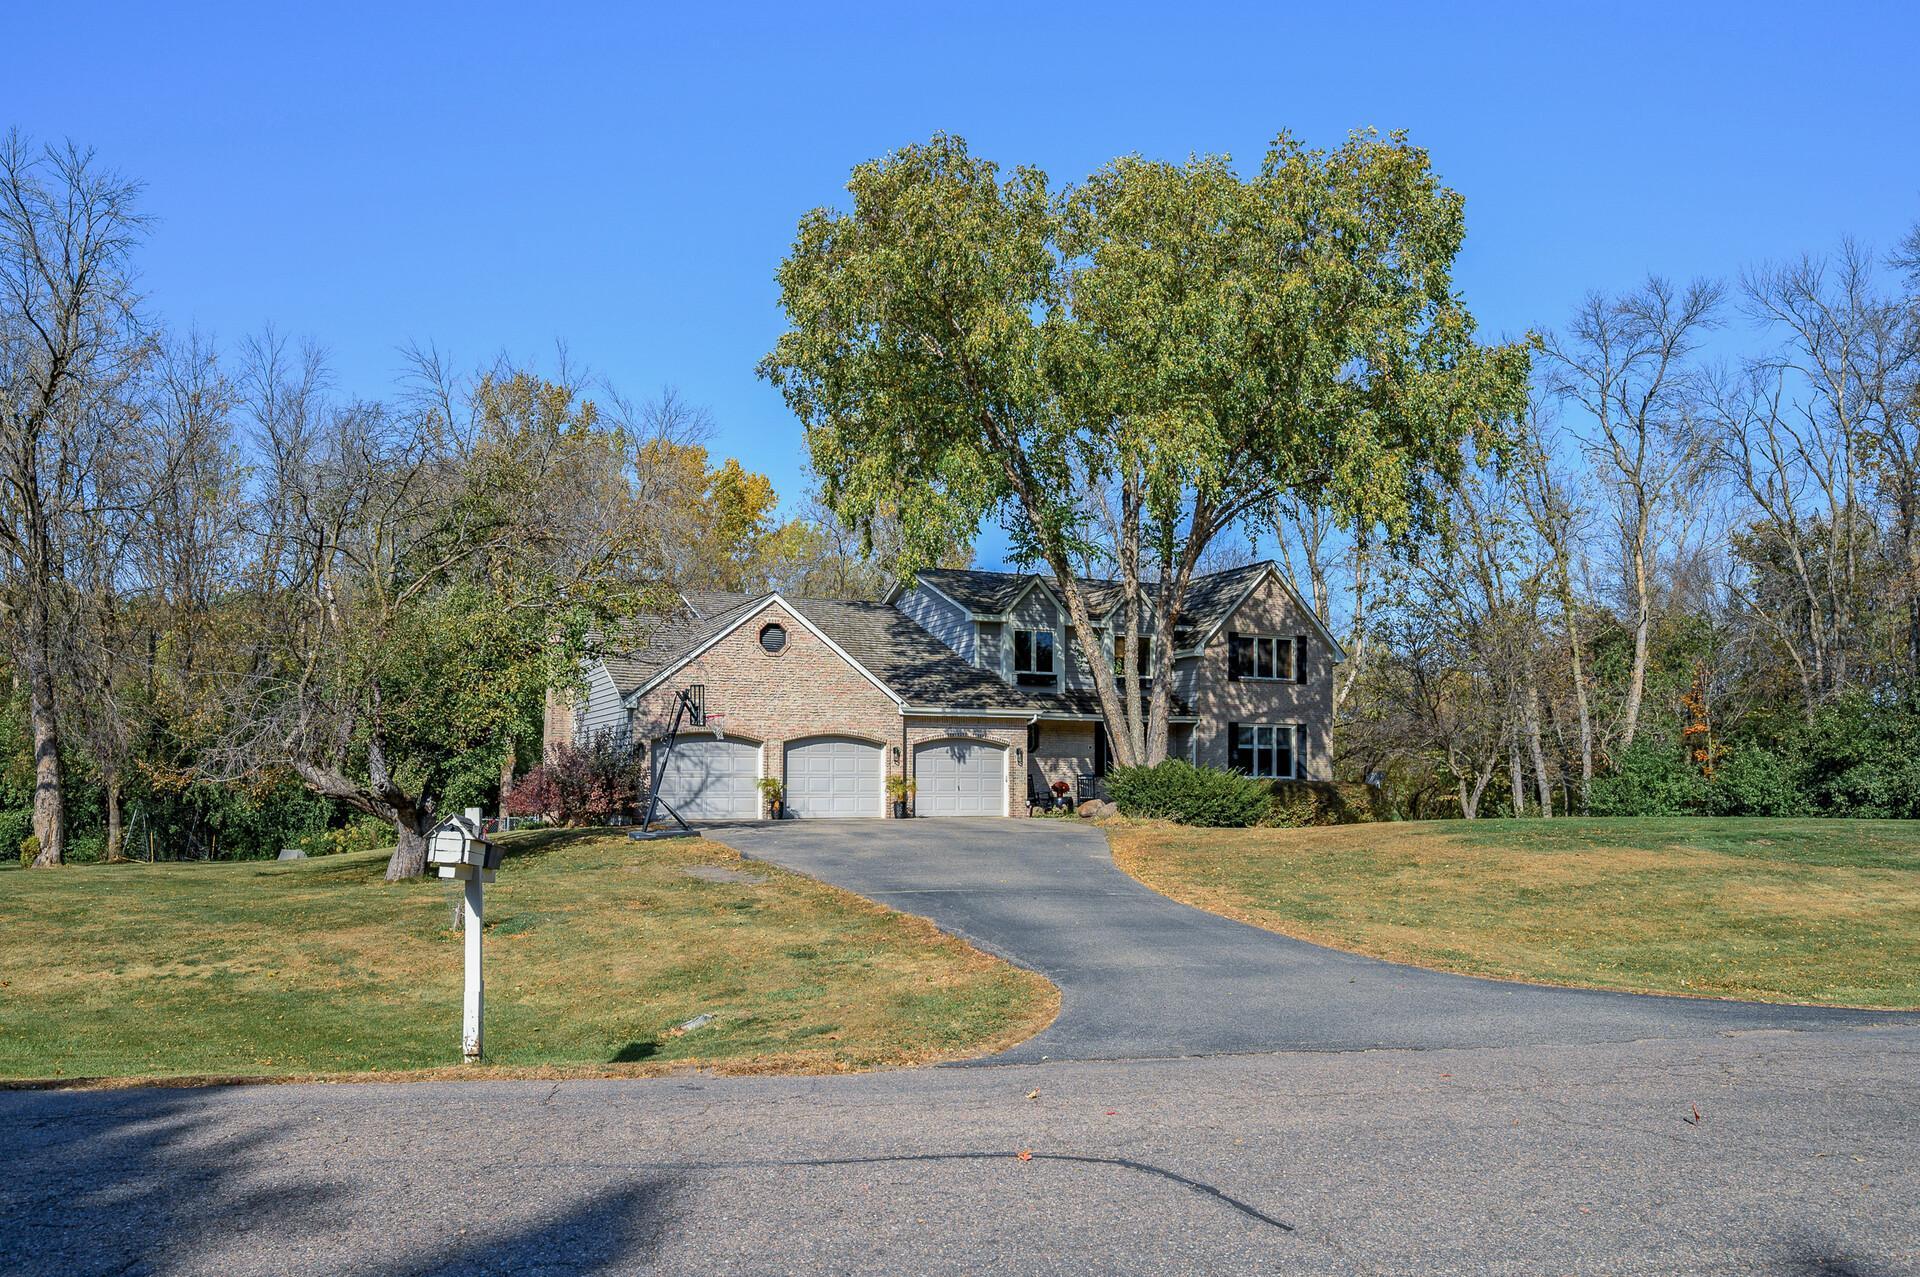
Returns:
(153,1182)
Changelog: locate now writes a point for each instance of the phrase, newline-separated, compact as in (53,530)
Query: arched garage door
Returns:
(833,776)
(712,779)
(960,778)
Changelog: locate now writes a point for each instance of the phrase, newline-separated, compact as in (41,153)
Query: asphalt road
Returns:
(1390,1121)
(1142,977)
(1575,1159)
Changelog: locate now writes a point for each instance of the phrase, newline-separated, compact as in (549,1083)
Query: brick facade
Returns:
(805,690)
(1218,700)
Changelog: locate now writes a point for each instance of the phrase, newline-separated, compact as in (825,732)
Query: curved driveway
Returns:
(1142,976)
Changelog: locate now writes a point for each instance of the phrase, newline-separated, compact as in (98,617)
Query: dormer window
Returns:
(1033,658)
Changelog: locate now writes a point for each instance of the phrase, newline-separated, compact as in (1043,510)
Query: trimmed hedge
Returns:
(1176,790)
(1324,802)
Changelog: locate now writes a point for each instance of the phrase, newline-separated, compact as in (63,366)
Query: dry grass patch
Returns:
(597,947)
(1774,910)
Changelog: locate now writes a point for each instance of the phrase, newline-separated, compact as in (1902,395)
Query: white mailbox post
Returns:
(457,849)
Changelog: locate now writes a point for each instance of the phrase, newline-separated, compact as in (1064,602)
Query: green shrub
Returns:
(29,848)
(1324,802)
(1754,781)
(16,826)
(1176,790)
(1651,780)
(362,833)
(1861,758)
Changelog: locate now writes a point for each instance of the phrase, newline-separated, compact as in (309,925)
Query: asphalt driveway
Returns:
(1143,977)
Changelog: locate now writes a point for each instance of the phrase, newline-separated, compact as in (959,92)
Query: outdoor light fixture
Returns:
(896,753)
(1019,755)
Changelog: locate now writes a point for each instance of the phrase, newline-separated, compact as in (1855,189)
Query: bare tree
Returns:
(1623,361)
(70,340)
(1557,527)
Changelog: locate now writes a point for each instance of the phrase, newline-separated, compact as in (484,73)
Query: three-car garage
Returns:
(833,777)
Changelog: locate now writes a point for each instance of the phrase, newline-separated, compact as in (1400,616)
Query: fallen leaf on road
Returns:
(1025,1155)
(1033,1095)
(1695,1119)
(1113,1112)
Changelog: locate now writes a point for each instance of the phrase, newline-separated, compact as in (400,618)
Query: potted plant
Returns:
(775,793)
(900,789)
(1060,791)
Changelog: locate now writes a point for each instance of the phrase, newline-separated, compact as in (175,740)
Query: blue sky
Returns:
(494,178)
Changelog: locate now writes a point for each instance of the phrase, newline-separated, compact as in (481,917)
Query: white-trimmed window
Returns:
(1278,658)
(1033,658)
(1268,750)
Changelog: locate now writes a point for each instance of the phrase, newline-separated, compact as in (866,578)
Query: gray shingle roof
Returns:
(713,602)
(921,670)
(892,646)
(1086,702)
(649,643)
(1210,596)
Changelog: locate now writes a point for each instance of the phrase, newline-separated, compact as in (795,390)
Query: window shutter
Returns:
(1299,658)
(1100,751)
(1233,665)
(1300,752)
(1233,749)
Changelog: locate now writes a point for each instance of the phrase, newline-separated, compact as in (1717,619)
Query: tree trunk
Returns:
(410,851)
(49,799)
(1581,711)
(506,780)
(1172,595)
(116,833)
(1530,709)
(1642,639)
(1516,776)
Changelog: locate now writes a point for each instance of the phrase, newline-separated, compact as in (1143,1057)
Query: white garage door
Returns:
(960,778)
(712,779)
(833,776)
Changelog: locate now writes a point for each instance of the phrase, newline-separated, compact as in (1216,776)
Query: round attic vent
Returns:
(773,638)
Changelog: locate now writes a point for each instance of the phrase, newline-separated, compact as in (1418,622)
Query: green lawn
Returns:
(1823,911)
(596,948)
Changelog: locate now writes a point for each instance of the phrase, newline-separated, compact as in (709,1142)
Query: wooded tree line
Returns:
(241,606)
(1663,556)
(1693,585)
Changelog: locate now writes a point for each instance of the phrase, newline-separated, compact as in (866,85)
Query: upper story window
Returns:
(1033,658)
(773,638)
(1279,658)
(1144,662)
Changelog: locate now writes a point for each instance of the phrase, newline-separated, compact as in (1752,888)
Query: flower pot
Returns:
(900,810)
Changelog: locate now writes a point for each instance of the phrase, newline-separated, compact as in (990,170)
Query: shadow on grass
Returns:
(634,1052)
(153,1182)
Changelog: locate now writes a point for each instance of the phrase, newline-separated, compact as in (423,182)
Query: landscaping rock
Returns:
(1097,809)
(292,853)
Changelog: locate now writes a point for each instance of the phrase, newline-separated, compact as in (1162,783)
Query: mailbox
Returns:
(457,848)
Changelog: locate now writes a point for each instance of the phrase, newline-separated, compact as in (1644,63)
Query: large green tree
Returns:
(1125,370)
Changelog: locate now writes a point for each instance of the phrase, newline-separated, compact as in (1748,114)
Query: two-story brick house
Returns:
(973,683)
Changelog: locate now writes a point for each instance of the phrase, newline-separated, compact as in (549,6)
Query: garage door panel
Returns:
(831,776)
(712,779)
(960,778)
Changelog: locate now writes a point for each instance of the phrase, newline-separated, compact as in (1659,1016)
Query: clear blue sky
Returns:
(495,178)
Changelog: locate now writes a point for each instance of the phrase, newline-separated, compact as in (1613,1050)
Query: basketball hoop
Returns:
(718,722)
